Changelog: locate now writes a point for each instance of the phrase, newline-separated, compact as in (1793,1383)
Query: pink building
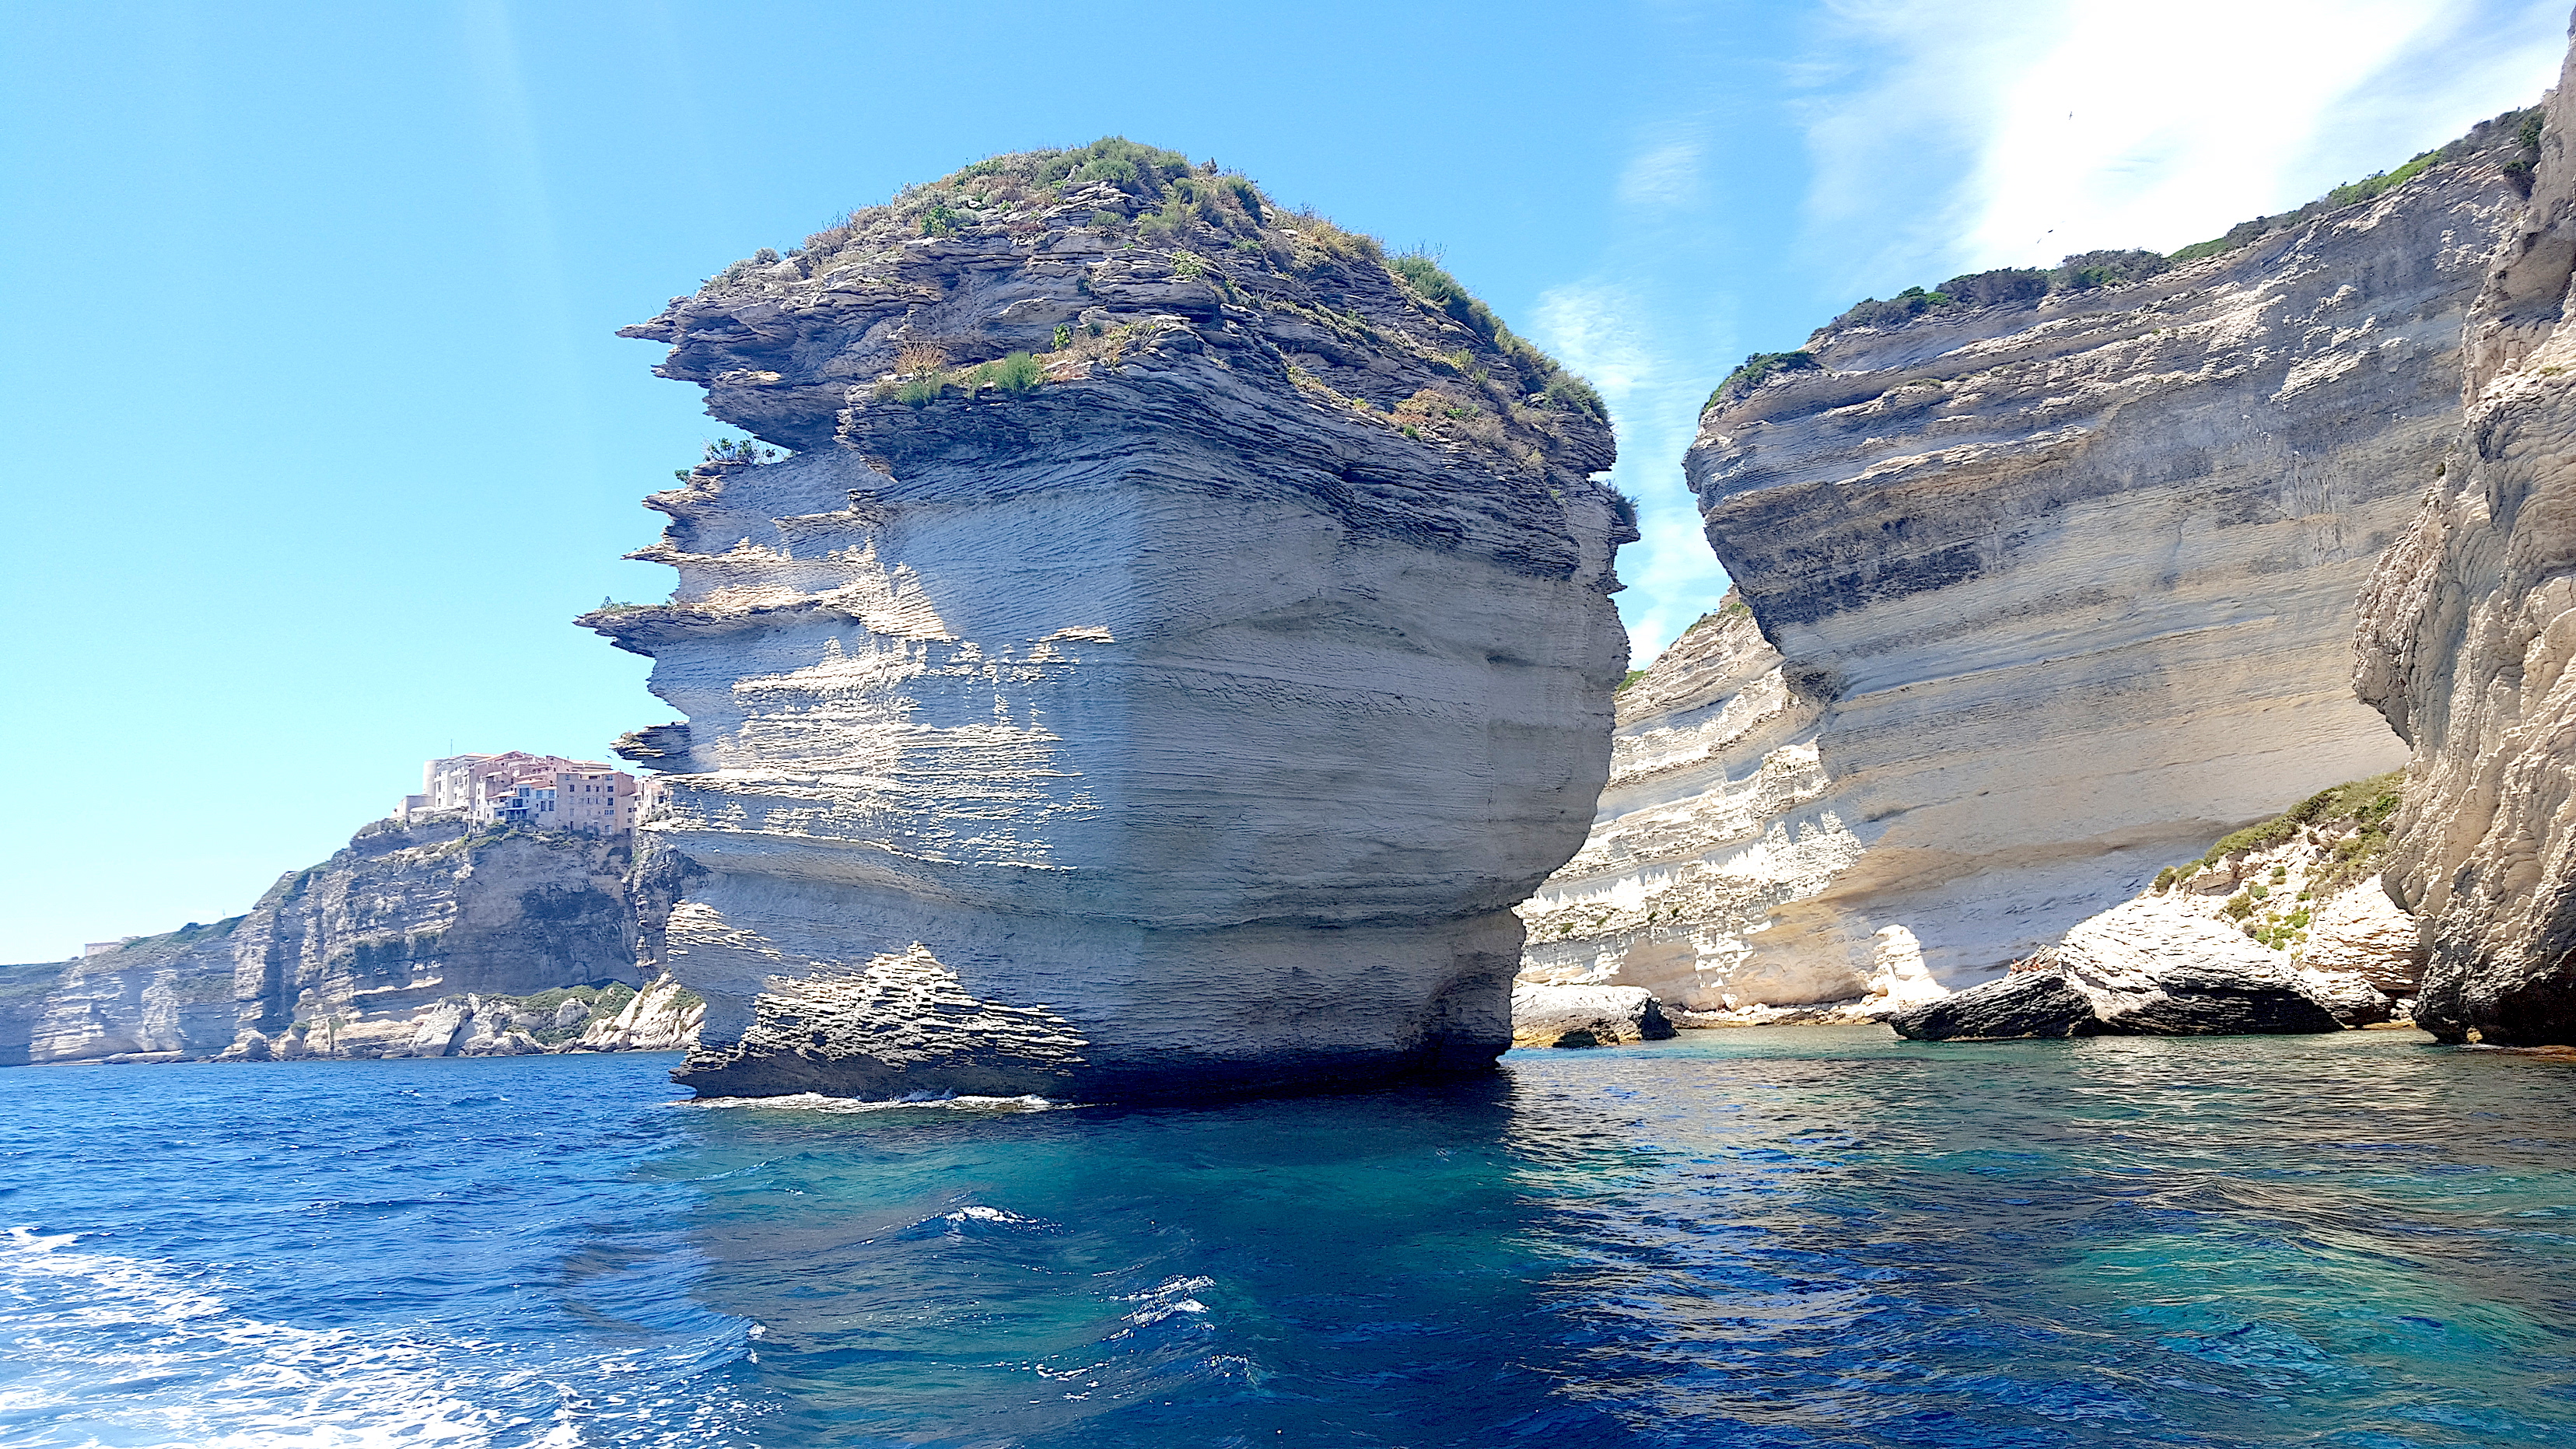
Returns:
(542,792)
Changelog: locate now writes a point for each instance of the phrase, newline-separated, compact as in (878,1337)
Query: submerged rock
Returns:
(2468,630)
(1183,634)
(1583,1016)
(2060,572)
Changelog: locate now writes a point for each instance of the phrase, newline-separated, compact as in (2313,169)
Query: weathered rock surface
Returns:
(1699,835)
(2142,968)
(2288,908)
(664,1016)
(1179,710)
(2062,585)
(1583,1016)
(418,939)
(2466,636)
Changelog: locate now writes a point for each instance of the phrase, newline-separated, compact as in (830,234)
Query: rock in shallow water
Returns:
(2141,969)
(1183,713)
(1583,1016)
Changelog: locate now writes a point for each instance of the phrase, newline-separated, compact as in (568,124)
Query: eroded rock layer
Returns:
(1699,836)
(1182,636)
(2067,581)
(2467,633)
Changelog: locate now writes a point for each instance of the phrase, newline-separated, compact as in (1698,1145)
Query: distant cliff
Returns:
(1181,636)
(2468,632)
(352,956)
(2060,571)
(1697,841)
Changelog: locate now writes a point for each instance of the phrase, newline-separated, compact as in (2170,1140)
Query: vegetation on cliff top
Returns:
(1490,389)
(2518,131)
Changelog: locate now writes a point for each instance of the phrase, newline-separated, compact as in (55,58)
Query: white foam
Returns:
(1167,1298)
(106,1349)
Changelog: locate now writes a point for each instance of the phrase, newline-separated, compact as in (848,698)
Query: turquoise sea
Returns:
(1789,1237)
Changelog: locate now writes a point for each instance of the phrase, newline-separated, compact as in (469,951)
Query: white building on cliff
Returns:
(542,792)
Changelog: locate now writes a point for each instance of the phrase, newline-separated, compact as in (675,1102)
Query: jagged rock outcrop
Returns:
(2143,968)
(664,1016)
(2062,569)
(413,925)
(1181,637)
(2467,631)
(1585,1016)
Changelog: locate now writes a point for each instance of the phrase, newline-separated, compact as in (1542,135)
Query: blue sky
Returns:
(320,435)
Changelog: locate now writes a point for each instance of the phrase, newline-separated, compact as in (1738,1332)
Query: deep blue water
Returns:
(1793,1237)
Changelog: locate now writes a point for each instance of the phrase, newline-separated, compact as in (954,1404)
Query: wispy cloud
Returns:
(1663,176)
(2019,133)
(1951,135)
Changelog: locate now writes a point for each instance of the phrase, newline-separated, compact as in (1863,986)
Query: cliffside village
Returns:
(541,792)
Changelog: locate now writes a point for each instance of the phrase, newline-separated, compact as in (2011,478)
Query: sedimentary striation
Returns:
(424,938)
(2060,570)
(2468,629)
(1699,835)
(1180,636)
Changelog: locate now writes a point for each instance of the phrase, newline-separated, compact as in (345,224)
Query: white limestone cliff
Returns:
(2466,639)
(398,945)
(1181,709)
(2063,584)
(1702,831)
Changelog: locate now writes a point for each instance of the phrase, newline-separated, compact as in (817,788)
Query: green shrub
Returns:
(2005,284)
(1188,264)
(921,388)
(1758,369)
(1063,337)
(737,450)
(2366,804)
(1018,374)
(1567,391)
(1426,278)
(1105,220)
(1633,676)
(613,1000)
(2239,906)
(940,220)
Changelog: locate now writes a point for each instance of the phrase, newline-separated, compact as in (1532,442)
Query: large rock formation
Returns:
(412,924)
(1179,709)
(1699,836)
(2468,629)
(2061,568)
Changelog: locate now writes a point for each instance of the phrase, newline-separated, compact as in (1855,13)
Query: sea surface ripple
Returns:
(1793,1237)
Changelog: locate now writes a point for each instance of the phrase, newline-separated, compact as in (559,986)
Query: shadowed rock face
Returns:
(2467,631)
(1186,720)
(2064,587)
